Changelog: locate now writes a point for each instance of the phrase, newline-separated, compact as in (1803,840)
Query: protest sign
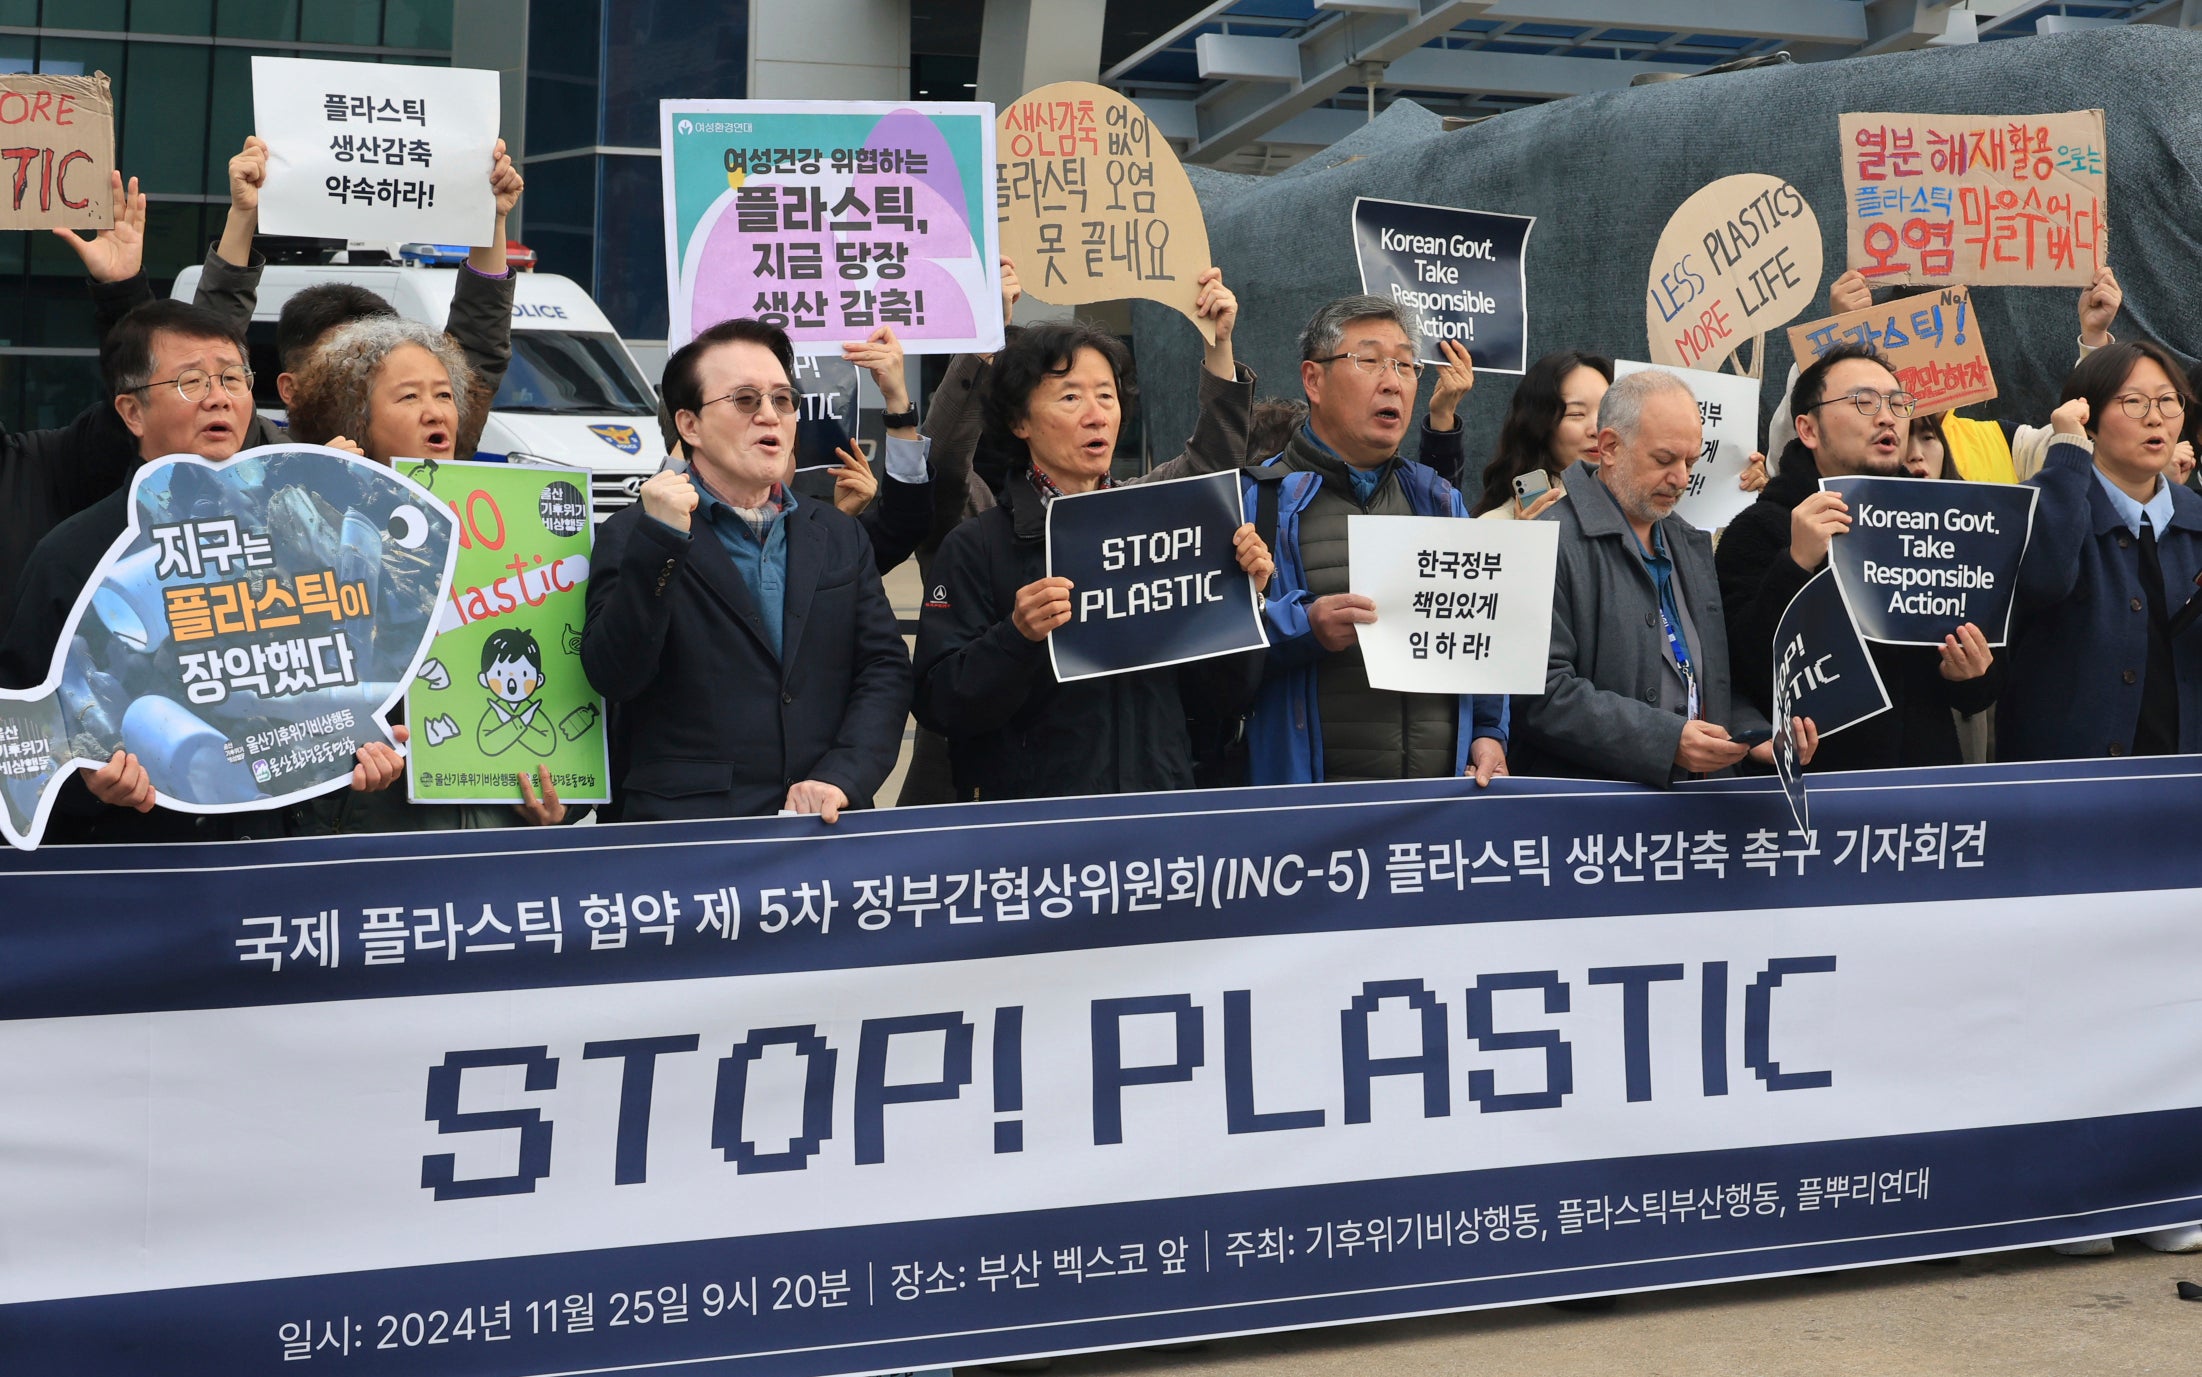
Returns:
(1154,577)
(60,137)
(1984,200)
(1461,272)
(1728,407)
(366,150)
(832,410)
(1461,606)
(1740,257)
(830,219)
(1931,342)
(1094,204)
(812,1101)
(243,637)
(1923,556)
(1822,669)
(503,693)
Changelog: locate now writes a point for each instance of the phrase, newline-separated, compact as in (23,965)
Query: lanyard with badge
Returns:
(1663,591)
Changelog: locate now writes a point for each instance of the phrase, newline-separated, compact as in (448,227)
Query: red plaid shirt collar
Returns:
(1046,486)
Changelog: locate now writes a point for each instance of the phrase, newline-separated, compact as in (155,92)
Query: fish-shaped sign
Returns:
(243,637)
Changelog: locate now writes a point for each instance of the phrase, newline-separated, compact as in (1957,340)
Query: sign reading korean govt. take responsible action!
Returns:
(1459,271)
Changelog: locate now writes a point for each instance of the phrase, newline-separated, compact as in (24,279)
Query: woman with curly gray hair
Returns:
(394,387)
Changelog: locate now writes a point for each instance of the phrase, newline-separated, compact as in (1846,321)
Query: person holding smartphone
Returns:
(1551,423)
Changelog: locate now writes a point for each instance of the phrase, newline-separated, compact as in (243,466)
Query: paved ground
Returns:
(2010,1314)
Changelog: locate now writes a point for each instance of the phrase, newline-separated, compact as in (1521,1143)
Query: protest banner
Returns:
(770,1097)
(1461,272)
(1461,606)
(503,693)
(830,219)
(1154,577)
(243,637)
(1094,204)
(1728,407)
(367,150)
(1740,257)
(59,133)
(1931,342)
(1984,200)
(1923,556)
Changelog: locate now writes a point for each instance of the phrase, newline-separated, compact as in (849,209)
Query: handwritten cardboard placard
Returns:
(1987,200)
(1739,258)
(1459,271)
(1931,341)
(365,150)
(57,149)
(1094,204)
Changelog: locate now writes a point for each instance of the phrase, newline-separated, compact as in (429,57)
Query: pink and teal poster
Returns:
(832,218)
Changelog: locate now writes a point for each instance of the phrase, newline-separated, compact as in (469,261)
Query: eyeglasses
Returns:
(193,384)
(1373,363)
(2138,407)
(747,399)
(1869,402)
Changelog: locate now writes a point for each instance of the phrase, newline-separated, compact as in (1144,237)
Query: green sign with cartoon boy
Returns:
(501,712)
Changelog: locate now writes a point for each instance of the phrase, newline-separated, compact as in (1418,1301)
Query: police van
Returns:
(574,396)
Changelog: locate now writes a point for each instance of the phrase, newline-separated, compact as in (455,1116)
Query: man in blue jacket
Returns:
(1317,718)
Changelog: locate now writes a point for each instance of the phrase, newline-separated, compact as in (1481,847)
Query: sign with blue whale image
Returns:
(243,638)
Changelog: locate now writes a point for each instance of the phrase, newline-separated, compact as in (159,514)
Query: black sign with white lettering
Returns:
(1459,270)
(1923,557)
(1822,670)
(1154,578)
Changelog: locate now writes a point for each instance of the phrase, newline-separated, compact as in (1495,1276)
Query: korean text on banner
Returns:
(1923,556)
(1154,578)
(1094,203)
(503,693)
(1460,271)
(363,150)
(60,132)
(830,219)
(1728,408)
(1931,342)
(1461,606)
(1986,200)
(243,637)
(1740,257)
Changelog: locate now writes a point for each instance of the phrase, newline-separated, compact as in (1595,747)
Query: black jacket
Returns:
(711,723)
(1013,731)
(1757,581)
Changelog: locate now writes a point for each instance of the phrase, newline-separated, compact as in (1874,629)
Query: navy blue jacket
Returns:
(711,723)
(2079,642)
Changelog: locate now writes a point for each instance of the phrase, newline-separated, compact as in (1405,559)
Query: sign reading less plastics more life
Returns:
(1930,341)
(1461,606)
(1154,577)
(1461,272)
(1728,408)
(1740,257)
(57,151)
(1924,556)
(1094,203)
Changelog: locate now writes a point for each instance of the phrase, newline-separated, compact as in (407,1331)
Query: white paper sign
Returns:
(364,150)
(1461,606)
(1728,403)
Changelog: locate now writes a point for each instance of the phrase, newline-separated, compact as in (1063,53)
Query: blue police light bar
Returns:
(433,255)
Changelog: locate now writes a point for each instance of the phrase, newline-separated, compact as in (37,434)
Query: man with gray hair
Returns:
(1638,687)
(1317,718)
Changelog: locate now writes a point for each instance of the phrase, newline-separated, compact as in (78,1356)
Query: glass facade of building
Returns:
(182,77)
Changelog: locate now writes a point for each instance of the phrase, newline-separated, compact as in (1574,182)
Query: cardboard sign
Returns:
(1460,271)
(830,219)
(1923,556)
(503,692)
(58,134)
(1094,203)
(1461,606)
(1739,258)
(1931,341)
(243,637)
(1154,577)
(1728,406)
(1986,200)
(366,150)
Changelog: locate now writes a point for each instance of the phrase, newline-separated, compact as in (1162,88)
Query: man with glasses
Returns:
(1851,417)
(1317,718)
(742,635)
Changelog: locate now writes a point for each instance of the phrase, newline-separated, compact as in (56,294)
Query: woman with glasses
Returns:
(2106,649)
